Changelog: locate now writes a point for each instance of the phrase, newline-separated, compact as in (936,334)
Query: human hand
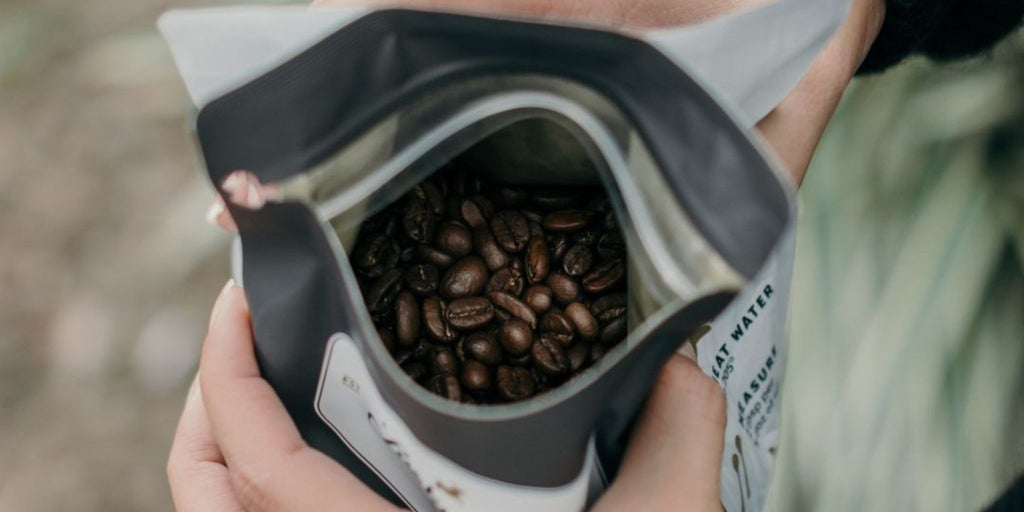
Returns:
(236,448)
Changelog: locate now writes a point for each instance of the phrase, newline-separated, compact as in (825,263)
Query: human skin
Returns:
(219,461)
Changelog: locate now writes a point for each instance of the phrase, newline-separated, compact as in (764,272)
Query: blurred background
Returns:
(908,317)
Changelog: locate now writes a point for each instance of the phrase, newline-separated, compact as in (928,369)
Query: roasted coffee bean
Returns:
(515,383)
(488,248)
(475,211)
(419,221)
(416,370)
(614,331)
(559,326)
(434,320)
(587,237)
(577,260)
(454,238)
(578,355)
(554,199)
(604,277)
(443,361)
(582,320)
(379,252)
(465,277)
(538,297)
(428,192)
(469,313)
(538,261)
(382,293)
(433,256)
(563,287)
(483,347)
(510,197)
(511,230)
(489,267)
(422,279)
(611,246)
(514,307)
(507,280)
(549,356)
(567,220)
(609,307)
(559,243)
(407,318)
(476,376)
(447,386)
(516,337)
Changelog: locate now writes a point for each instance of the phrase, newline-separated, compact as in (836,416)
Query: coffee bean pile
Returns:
(490,294)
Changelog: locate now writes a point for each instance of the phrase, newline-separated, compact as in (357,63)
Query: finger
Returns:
(674,458)
(196,472)
(271,467)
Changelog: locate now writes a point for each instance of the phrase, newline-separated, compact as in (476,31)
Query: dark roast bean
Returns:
(533,217)
(516,337)
(443,361)
(454,238)
(514,307)
(548,356)
(522,360)
(611,246)
(469,313)
(447,386)
(511,230)
(428,192)
(535,229)
(516,263)
(567,220)
(609,307)
(515,383)
(510,197)
(578,355)
(408,255)
(422,279)
(416,370)
(475,376)
(419,221)
(614,331)
(558,244)
(465,277)
(488,249)
(559,326)
(379,252)
(538,297)
(407,318)
(483,347)
(382,293)
(433,256)
(553,199)
(604,277)
(584,322)
(434,322)
(596,352)
(563,287)
(577,260)
(475,211)
(538,261)
(506,280)
(587,237)
(422,350)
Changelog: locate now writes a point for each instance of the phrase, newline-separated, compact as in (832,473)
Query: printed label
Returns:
(348,401)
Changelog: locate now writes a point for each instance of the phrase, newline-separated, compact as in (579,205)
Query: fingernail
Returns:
(214,212)
(231,183)
(221,302)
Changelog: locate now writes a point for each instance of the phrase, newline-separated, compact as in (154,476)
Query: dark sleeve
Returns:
(940,29)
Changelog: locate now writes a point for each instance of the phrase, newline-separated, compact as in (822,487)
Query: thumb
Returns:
(675,456)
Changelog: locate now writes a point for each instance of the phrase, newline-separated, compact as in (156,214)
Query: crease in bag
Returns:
(345,110)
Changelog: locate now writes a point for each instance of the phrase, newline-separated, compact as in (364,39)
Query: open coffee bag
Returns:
(341,112)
